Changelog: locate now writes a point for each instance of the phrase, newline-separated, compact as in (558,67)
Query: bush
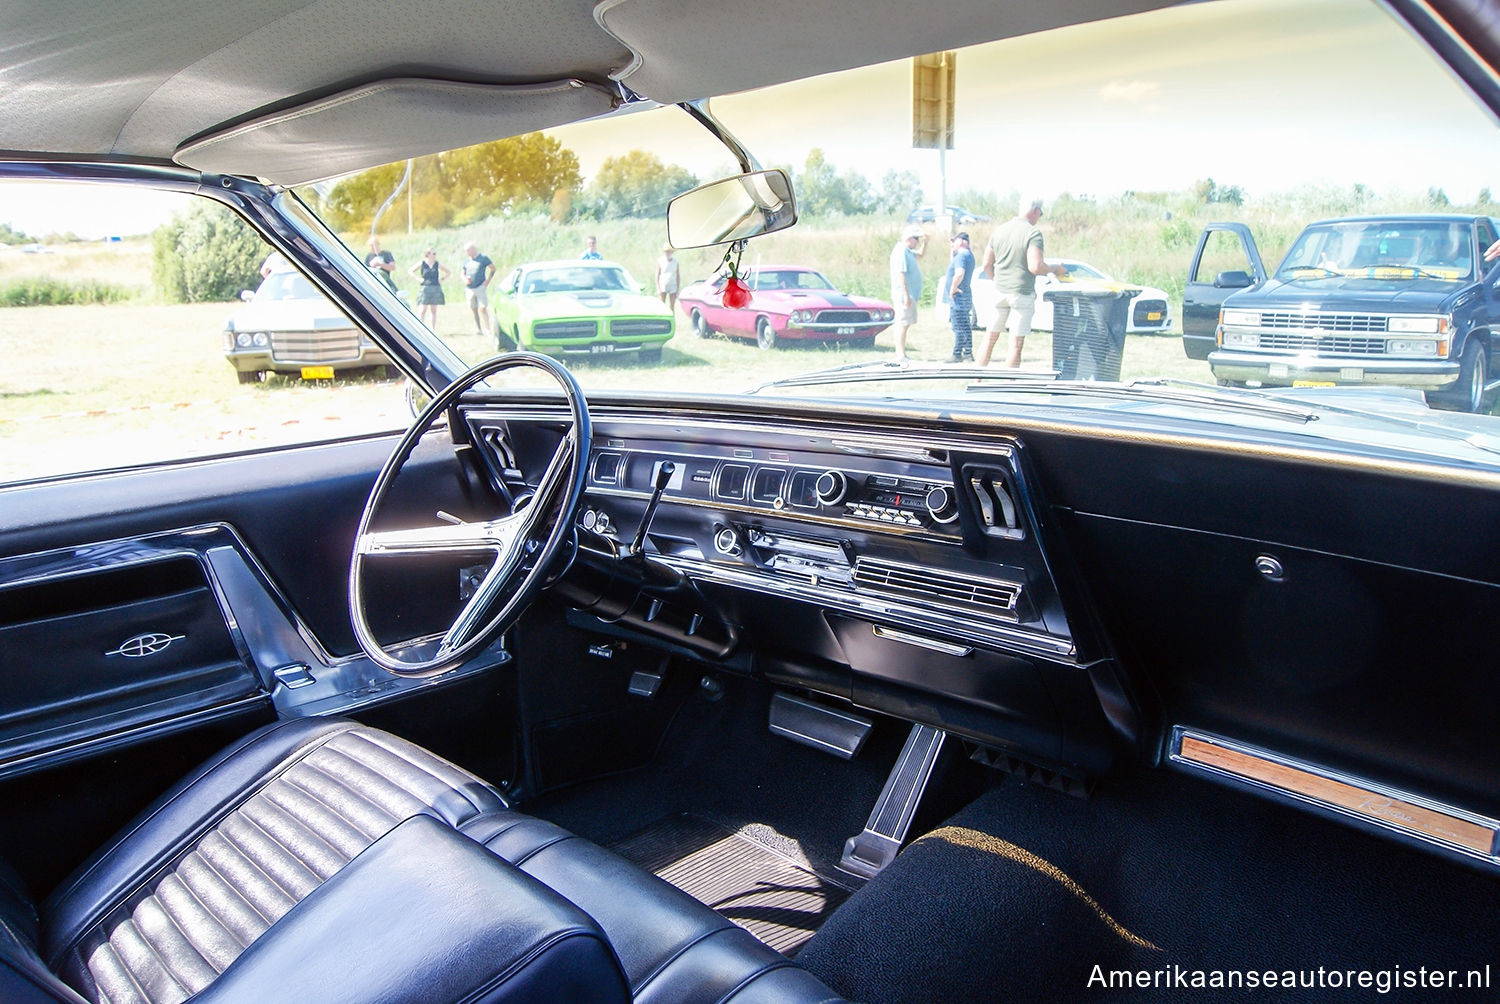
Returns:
(46,292)
(207,254)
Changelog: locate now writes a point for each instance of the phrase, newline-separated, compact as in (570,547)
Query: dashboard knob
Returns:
(941,505)
(832,486)
(727,541)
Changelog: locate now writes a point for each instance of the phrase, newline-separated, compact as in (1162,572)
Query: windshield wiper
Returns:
(888,369)
(1416,273)
(1322,273)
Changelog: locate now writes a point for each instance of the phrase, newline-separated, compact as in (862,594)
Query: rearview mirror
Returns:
(733,209)
(1236,279)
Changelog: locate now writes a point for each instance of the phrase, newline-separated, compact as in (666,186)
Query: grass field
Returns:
(105,385)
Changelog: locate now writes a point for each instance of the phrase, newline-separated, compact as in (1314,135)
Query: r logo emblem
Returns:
(143,645)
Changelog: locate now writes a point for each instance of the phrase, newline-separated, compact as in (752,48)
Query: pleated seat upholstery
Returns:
(323,860)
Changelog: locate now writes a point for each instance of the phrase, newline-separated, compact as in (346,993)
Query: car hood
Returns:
(289,315)
(804,299)
(590,302)
(1343,293)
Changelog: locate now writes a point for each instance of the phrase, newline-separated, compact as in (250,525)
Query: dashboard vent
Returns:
(994,597)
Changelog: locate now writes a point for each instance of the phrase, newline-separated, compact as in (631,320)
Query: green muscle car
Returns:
(579,308)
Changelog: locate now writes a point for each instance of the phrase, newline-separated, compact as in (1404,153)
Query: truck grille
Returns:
(993,597)
(1321,321)
(636,329)
(1332,345)
(843,317)
(302,347)
(566,329)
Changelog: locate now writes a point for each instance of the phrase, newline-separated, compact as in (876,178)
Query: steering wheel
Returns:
(521,545)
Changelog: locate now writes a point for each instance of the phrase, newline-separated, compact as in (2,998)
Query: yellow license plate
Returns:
(1153,315)
(317,372)
(1313,383)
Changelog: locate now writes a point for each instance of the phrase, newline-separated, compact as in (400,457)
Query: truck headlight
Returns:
(1241,318)
(1412,347)
(1430,324)
(1236,339)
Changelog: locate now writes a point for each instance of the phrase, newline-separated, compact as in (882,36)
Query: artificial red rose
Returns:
(736,293)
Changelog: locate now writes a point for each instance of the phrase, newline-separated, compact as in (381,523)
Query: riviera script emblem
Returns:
(143,645)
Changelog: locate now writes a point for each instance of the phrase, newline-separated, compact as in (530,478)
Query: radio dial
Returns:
(941,505)
(832,487)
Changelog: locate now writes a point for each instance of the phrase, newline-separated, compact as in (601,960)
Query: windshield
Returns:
(1415,248)
(574,279)
(286,286)
(787,278)
(1123,291)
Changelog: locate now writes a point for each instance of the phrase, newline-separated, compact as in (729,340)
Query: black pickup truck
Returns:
(1395,300)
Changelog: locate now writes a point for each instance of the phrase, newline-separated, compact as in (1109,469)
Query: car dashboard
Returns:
(904,571)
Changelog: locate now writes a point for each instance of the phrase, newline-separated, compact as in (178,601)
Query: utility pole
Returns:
(933,98)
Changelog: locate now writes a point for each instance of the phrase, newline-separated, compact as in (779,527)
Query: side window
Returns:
(144,327)
(1486,238)
(1223,252)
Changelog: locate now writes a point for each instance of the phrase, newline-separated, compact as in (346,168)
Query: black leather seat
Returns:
(320,860)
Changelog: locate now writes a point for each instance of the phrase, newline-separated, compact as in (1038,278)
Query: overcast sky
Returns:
(1264,94)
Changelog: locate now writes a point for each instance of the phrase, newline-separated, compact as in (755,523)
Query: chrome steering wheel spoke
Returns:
(520,546)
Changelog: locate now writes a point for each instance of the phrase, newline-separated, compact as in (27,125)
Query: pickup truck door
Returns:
(1226,260)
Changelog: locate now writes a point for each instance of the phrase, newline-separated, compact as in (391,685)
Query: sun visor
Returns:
(386,121)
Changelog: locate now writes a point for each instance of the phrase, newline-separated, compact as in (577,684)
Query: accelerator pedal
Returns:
(868,853)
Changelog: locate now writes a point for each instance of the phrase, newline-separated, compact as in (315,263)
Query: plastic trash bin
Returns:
(1088,331)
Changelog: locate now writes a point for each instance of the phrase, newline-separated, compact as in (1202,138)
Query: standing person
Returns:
(591,249)
(1014,258)
(382,263)
(275,262)
(431,274)
(961,296)
(478,270)
(668,277)
(906,283)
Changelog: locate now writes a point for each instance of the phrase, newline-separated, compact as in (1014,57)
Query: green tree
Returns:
(206,254)
(459,186)
(823,191)
(9,236)
(900,192)
(636,183)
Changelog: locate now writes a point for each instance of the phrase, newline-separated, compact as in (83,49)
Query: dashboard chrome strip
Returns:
(1403,812)
(985,633)
(920,641)
(801,515)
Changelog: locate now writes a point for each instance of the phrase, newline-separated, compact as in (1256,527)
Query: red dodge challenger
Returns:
(787,301)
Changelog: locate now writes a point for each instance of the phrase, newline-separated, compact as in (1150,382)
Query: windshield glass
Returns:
(574,279)
(1082,253)
(286,286)
(1412,247)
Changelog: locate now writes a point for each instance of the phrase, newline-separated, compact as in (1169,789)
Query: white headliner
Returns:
(292,91)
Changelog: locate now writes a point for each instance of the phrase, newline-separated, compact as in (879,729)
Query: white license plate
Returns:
(847,329)
(601,348)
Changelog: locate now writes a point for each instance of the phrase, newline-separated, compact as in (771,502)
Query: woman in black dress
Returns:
(431,275)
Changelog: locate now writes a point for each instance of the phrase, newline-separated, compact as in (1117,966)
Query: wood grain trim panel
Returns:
(1382,808)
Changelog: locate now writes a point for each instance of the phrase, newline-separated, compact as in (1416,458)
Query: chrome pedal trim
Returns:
(869,852)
